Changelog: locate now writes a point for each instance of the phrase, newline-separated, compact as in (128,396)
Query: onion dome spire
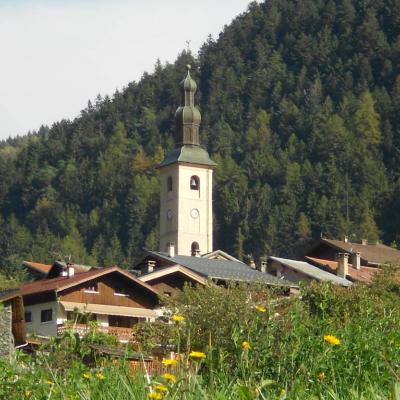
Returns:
(187,116)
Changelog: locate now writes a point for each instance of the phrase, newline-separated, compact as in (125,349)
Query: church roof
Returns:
(225,270)
(188,154)
(187,123)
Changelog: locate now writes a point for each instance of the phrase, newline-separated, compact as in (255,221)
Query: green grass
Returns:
(288,356)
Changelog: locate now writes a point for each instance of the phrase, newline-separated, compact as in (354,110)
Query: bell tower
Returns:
(186,183)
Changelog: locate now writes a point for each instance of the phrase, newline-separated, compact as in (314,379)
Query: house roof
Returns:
(43,268)
(312,271)
(8,294)
(159,273)
(53,270)
(220,254)
(364,274)
(64,282)
(221,269)
(375,254)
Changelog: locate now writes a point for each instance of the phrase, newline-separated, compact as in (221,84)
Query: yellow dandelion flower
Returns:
(27,393)
(321,376)
(178,318)
(169,377)
(50,382)
(169,361)
(246,345)
(100,376)
(160,388)
(333,340)
(155,396)
(87,376)
(261,309)
(197,354)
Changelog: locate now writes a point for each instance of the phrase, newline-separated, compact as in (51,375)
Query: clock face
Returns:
(194,213)
(169,214)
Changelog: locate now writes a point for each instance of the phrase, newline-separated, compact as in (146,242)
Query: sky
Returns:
(55,55)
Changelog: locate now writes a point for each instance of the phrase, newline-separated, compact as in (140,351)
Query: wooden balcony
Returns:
(123,334)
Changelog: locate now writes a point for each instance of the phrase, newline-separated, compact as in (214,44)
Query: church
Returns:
(186,251)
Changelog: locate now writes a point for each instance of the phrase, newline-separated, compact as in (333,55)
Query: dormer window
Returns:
(194,183)
(92,287)
(169,184)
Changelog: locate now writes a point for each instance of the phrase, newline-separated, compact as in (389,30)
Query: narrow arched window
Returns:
(169,184)
(195,249)
(195,183)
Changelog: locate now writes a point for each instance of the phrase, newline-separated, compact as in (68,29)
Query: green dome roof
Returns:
(187,115)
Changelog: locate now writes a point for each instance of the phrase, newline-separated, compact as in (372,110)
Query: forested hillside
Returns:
(300,102)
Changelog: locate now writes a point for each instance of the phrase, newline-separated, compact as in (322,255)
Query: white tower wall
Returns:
(186,214)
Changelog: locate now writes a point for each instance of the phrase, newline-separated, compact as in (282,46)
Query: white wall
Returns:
(43,328)
(181,228)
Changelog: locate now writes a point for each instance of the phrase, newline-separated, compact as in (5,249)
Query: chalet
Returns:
(360,254)
(358,262)
(111,296)
(301,271)
(12,324)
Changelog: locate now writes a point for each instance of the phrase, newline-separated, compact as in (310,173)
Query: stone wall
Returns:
(6,337)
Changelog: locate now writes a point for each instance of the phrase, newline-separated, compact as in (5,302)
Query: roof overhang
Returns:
(107,271)
(172,270)
(111,310)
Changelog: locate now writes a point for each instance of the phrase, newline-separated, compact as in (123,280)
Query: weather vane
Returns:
(188,45)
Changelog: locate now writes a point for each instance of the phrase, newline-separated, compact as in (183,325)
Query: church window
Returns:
(194,183)
(169,184)
(195,249)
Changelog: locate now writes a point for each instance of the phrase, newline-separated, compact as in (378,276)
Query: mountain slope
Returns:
(299,101)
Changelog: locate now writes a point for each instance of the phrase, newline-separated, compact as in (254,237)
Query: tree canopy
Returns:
(300,102)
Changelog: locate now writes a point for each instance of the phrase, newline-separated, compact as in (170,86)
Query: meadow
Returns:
(240,342)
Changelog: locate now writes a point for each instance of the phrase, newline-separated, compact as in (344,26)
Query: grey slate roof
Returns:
(222,269)
(188,154)
(312,271)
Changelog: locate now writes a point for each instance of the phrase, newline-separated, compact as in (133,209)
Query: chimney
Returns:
(150,265)
(263,265)
(64,271)
(252,264)
(356,260)
(343,265)
(70,270)
(364,242)
(346,239)
(171,249)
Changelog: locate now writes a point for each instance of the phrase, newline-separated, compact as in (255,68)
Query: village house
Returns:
(302,271)
(168,272)
(113,297)
(357,262)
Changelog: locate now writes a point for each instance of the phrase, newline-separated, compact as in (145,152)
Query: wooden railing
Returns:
(123,334)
